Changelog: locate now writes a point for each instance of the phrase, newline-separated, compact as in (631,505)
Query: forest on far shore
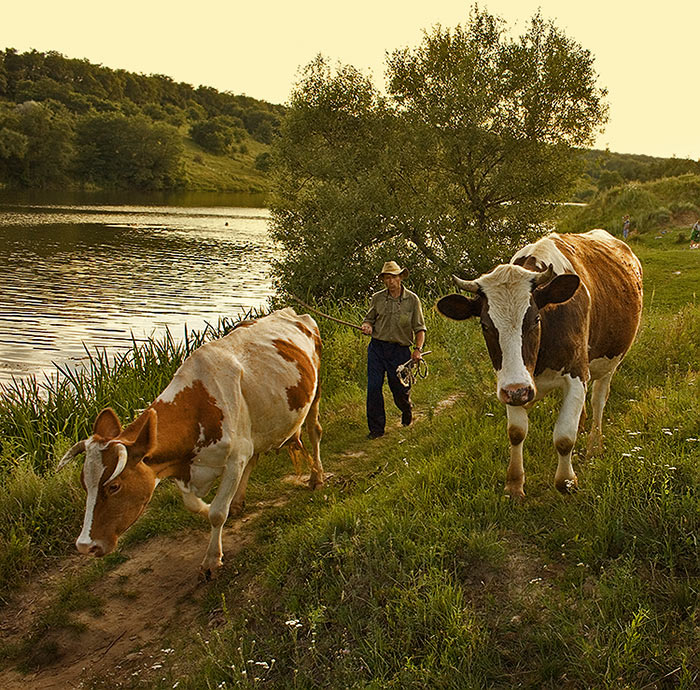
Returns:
(66,122)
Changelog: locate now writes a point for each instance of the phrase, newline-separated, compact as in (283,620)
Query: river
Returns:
(86,270)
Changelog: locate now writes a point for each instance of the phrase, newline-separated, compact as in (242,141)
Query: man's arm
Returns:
(420,341)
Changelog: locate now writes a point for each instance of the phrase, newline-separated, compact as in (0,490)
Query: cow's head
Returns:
(508,301)
(116,476)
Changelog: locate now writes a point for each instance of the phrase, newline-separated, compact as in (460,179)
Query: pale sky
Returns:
(646,54)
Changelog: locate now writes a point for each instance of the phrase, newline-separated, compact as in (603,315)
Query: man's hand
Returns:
(367,328)
(416,355)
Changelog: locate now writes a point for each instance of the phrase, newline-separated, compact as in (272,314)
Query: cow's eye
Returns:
(113,488)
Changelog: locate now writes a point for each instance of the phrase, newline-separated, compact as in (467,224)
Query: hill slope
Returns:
(67,122)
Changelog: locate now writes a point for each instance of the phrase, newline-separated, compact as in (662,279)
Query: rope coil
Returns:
(409,372)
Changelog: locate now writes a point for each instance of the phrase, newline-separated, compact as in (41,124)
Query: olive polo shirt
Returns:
(395,320)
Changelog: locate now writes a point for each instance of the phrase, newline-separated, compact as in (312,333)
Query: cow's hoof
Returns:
(315,483)
(516,494)
(567,486)
(236,509)
(594,446)
(209,573)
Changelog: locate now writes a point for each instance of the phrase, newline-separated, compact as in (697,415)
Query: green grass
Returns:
(652,206)
(410,569)
(232,172)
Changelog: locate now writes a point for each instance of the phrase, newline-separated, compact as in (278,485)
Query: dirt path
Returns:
(146,602)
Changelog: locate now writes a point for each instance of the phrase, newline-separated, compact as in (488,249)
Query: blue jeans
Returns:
(383,358)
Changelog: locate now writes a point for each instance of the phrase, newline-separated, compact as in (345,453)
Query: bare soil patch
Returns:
(147,602)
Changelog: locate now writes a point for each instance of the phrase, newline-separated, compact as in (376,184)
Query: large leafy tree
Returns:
(128,152)
(36,145)
(459,163)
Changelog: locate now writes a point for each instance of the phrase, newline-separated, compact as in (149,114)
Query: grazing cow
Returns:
(565,310)
(232,399)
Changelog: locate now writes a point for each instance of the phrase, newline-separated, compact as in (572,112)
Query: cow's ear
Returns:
(459,307)
(142,448)
(107,424)
(557,290)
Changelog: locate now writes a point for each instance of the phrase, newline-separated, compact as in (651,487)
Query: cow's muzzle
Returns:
(517,394)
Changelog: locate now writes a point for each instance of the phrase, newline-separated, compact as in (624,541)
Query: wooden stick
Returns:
(320,313)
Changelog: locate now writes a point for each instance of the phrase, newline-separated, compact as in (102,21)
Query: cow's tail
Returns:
(298,454)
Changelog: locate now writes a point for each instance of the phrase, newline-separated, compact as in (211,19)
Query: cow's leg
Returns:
(192,502)
(219,509)
(517,432)
(315,431)
(565,431)
(238,502)
(600,389)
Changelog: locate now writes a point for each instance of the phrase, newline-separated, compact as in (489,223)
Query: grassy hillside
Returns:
(235,172)
(67,123)
(410,569)
(652,206)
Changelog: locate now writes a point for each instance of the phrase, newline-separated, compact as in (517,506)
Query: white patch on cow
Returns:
(508,289)
(93,469)
(546,253)
(603,366)
(201,440)
(550,380)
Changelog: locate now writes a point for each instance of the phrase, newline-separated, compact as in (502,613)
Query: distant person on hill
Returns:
(395,321)
(695,235)
(626,226)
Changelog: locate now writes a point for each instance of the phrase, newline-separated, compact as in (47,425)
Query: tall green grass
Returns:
(411,569)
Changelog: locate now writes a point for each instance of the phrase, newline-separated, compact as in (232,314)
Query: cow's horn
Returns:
(121,462)
(545,276)
(466,285)
(78,448)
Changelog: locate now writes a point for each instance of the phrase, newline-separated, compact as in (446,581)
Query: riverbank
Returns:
(409,568)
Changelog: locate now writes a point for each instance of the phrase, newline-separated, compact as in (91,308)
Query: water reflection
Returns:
(74,274)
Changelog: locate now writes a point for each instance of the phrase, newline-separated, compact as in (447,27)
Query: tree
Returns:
(454,168)
(214,135)
(38,144)
(129,152)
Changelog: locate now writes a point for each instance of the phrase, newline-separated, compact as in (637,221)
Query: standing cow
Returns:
(565,310)
(232,399)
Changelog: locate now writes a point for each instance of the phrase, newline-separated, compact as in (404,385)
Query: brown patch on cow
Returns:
(563,342)
(515,435)
(306,331)
(613,276)
(564,446)
(303,392)
(311,335)
(530,336)
(490,332)
(190,422)
(245,324)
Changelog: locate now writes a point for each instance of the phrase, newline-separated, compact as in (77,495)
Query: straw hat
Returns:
(393,269)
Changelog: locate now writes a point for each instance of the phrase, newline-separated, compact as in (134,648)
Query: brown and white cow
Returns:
(564,311)
(232,399)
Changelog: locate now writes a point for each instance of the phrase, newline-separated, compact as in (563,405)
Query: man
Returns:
(394,319)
